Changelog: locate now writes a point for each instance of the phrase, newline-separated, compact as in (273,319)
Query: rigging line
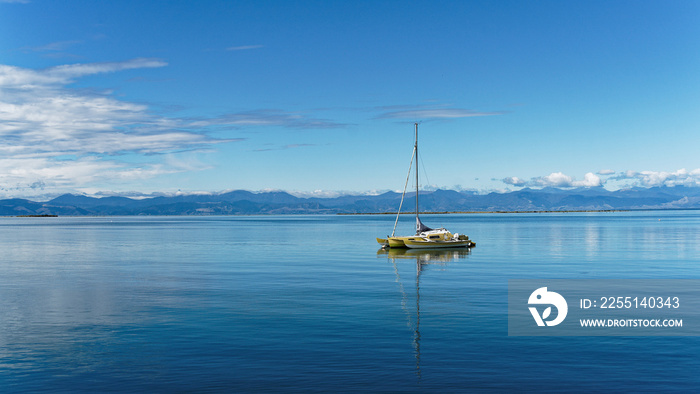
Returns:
(425,172)
(404,192)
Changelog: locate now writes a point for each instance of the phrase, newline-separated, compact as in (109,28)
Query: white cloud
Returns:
(430,113)
(22,173)
(55,136)
(628,178)
(556,179)
(589,180)
(269,117)
(62,137)
(66,72)
(680,177)
(243,47)
(28,79)
(436,113)
(56,46)
(515,181)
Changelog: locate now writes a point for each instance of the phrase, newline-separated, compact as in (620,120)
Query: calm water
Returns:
(309,303)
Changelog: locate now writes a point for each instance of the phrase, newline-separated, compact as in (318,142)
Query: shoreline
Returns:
(480,212)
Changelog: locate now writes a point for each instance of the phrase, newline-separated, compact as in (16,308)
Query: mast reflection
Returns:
(424,259)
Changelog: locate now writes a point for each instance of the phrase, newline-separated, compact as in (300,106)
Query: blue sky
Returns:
(320,97)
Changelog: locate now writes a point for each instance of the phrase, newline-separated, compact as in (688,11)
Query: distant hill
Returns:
(241,202)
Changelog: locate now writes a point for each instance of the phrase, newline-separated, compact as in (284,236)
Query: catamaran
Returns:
(426,237)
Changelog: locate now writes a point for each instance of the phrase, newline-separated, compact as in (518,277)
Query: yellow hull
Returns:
(417,242)
(399,242)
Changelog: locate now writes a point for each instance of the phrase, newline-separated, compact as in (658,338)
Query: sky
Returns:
(141,98)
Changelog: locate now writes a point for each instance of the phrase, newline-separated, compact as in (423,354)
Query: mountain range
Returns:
(241,202)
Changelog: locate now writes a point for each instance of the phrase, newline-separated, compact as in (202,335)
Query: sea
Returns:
(298,303)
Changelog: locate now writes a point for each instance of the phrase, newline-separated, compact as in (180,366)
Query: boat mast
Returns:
(408,176)
(415,148)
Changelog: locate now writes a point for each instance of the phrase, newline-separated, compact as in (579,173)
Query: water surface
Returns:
(310,303)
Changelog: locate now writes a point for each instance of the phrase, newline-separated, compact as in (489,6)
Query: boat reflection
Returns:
(425,256)
(424,259)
